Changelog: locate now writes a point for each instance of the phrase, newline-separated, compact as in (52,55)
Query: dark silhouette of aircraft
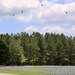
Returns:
(66,12)
(41,4)
(13,14)
(21,11)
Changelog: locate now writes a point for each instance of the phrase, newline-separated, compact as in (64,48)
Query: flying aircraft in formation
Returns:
(22,10)
(41,5)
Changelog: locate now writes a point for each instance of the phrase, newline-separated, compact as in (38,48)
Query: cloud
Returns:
(48,28)
(31,29)
(63,1)
(51,29)
(55,0)
(56,13)
(9,7)
(72,31)
(24,18)
(69,1)
(54,29)
(1,32)
(49,13)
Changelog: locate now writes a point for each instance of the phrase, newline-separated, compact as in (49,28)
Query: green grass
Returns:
(22,73)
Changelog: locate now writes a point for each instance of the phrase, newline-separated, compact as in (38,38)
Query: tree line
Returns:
(37,49)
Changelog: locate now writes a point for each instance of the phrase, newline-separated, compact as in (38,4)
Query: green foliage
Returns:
(16,52)
(37,49)
(4,53)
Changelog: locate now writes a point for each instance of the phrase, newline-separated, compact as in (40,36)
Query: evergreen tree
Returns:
(16,52)
(4,53)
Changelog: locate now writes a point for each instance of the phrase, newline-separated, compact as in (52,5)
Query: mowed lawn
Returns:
(22,73)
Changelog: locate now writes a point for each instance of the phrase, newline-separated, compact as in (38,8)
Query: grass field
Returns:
(22,73)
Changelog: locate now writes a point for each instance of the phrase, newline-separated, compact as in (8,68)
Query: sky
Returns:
(55,16)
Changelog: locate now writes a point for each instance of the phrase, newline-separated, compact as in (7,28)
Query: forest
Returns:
(37,49)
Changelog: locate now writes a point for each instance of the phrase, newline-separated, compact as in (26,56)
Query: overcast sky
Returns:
(56,16)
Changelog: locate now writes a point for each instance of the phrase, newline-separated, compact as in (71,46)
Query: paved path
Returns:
(7,74)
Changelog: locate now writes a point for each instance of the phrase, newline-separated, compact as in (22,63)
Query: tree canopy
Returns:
(37,49)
